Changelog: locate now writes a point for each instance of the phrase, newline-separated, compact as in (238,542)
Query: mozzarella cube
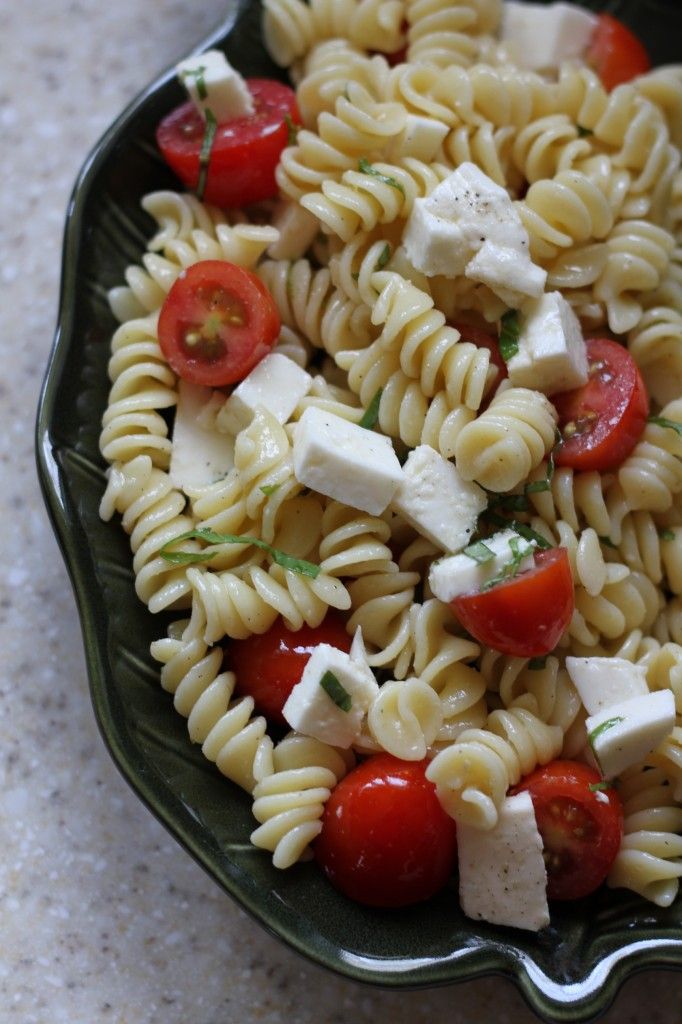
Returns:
(462,574)
(623,734)
(512,279)
(297,230)
(603,682)
(552,355)
(434,499)
(502,874)
(466,211)
(199,456)
(345,461)
(311,710)
(542,37)
(277,383)
(213,84)
(421,138)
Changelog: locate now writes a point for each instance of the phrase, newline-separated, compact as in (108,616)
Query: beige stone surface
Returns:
(102,916)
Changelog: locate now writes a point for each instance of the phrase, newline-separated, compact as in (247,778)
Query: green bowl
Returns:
(570,971)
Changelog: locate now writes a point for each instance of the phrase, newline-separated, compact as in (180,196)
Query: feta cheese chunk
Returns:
(466,211)
(311,710)
(541,37)
(434,499)
(602,682)
(345,461)
(623,734)
(277,383)
(462,574)
(502,874)
(297,230)
(213,84)
(420,138)
(199,455)
(552,355)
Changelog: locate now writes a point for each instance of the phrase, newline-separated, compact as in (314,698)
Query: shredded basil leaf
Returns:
(510,329)
(511,568)
(661,421)
(298,565)
(292,130)
(198,75)
(537,663)
(604,727)
(355,275)
(667,535)
(583,132)
(366,168)
(608,543)
(517,527)
(509,502)
(480,552)
(334,689)
(205,153)
(371,413)
(384,257)
(599,787)
(269,489)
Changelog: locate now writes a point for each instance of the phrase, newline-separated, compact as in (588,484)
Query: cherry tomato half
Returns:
(581,828)
(602,421)
(615,53)
(386,841)
(269,666)
(483,339)
(217,321)
(245,151)
(526,615)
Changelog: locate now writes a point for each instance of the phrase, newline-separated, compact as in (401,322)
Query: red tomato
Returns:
(218,320)
(245,151)
(602,421)
(482,339)
(526,615)
(386,841)
(269,666)
(581,828)
(615,53)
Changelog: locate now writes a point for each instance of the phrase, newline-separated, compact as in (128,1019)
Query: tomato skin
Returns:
(617,394)
(482,339)
(245,151)
(526,615)
(581,829)
(616,53)
(210,294)
(269,666)
(386,841)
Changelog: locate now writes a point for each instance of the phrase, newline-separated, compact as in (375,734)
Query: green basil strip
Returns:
(599,787)
(604,727)
(269,489)
(366,168)
(298,565)
(517,527)
(509,502)
(292,130)
(198,75)
(511,568)
(205,154)
(661,421)
(334,689)
(667,535)
(546,484)
(537,663)
(384,257)
(510,329)
(480,552)
(371,414)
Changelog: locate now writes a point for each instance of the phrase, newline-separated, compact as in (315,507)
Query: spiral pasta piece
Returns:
(652,475)
(405,718)
(443,33)
(561,211)
(638,257)
(328,67)
(354,543)
(381,604)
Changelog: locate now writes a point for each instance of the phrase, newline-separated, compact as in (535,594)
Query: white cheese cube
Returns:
(421,138)
(511,277)
(311,710)
(277,383)
(552,355)
(446,230)
(623,734)
(345,461)
(462,574)
(602,682)
(542,37)
(297,230)
(213,84)
(502,874)
(434,499)
(199,456)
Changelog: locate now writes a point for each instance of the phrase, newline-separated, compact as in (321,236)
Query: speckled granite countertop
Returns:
(102,916)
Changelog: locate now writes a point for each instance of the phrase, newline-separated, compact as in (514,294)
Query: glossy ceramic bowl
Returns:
(570,971)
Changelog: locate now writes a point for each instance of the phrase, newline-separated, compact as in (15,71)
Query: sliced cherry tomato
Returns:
(525,615)
(581,828)
(269,666)
(616,53)
(386,841)
(482,339)
(602,421)
(218,320)
(244,152)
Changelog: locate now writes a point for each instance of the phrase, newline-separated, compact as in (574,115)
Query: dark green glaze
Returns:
(571,971)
